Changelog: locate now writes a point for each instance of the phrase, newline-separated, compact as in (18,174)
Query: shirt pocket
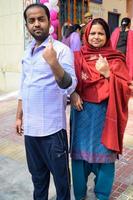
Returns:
(41,66)
(59,146)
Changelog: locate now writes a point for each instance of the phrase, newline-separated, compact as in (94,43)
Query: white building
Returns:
(13,35)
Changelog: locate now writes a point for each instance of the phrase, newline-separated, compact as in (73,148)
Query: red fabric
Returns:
(115,37)
(129,48)
(93,87)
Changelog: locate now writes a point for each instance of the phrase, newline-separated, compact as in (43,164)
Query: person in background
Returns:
(99,111)
(122,39)
(64,28)
(47,78)
(87,18)
(72,37)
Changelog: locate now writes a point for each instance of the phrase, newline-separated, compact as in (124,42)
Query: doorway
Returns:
(113,20)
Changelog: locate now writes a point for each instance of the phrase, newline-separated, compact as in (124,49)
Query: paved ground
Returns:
(15,181)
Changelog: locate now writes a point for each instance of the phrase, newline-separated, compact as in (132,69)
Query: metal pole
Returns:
(88,5)
(69,20)
(82,11)
(75,11)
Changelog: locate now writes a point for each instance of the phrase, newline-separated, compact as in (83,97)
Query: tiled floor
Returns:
(11,147)
(123,186)
(124,176)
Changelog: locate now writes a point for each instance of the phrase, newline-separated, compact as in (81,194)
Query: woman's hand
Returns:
(131,86)
(76,101)
(102,66)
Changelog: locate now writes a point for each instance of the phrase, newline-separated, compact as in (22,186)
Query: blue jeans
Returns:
(47,155)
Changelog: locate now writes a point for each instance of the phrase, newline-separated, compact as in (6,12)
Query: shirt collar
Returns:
(43,44)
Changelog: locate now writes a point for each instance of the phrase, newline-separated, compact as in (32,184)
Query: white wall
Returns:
(11,43)
(101,10)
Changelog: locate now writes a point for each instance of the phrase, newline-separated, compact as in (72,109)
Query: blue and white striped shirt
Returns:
(43,101)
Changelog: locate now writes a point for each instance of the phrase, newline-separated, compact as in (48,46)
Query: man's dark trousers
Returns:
(49,154)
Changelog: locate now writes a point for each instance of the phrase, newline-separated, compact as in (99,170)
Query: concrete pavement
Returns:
(15,180)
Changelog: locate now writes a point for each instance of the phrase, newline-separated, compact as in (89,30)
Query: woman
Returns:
(122,39)
(99,111)
(72,37)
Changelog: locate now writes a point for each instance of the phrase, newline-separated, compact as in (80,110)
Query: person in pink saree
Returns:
(122,39)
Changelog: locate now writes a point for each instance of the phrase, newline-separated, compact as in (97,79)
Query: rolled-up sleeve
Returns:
(66,60)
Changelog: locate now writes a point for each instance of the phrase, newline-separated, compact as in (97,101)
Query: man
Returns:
(47,78)
(87,18)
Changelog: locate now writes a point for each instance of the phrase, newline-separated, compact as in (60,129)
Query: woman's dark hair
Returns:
(76,26)
(39,6)
(104,25)
(125,22)
(72,29)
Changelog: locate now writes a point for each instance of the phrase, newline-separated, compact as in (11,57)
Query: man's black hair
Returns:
(39,6)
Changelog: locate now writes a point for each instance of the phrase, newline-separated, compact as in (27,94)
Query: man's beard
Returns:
(40,37)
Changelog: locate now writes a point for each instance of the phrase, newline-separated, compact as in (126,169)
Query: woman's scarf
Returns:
(93,87)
